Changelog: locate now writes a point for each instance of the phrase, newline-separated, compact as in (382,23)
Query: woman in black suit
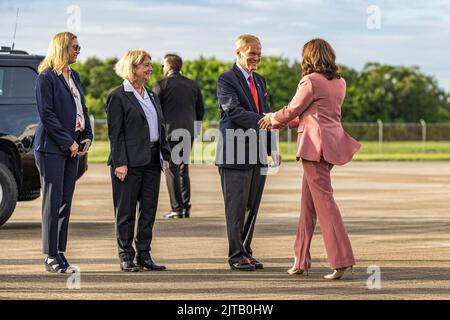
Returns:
(139,150)
(63,127)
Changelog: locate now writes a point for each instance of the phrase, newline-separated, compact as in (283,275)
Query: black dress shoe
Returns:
(256,263)
(174,215)
(149,265)
(129,266)
(186,213)
(54,264)
(242,265)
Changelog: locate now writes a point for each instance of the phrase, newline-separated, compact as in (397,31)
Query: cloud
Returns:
(412,33)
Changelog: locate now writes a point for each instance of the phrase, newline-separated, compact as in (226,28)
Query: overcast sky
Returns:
(410,32)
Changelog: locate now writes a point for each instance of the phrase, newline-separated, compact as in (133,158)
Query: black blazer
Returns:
(238,111)
(181,101)
(128,130)
(55,132)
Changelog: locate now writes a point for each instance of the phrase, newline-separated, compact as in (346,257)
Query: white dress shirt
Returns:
(246,74)
(149,110)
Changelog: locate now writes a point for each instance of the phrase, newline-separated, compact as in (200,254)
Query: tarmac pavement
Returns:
(397,215)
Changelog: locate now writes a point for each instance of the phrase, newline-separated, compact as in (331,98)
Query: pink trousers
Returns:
(318,201)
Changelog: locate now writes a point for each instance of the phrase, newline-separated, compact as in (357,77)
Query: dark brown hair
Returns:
(174,61)
(318,56)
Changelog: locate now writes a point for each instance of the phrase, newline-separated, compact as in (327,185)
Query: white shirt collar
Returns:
(244,72)
(128,87)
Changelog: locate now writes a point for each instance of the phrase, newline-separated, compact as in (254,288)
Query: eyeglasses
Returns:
(76,47)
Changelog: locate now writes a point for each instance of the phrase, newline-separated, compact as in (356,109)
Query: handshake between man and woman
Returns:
(315,110)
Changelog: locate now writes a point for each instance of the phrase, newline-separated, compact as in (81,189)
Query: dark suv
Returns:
(19,178)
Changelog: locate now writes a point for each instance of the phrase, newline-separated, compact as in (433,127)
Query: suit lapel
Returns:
(157,108)
(74,105)
(245,86)
(160,121)
(79,90)
(61,78)
(134,102)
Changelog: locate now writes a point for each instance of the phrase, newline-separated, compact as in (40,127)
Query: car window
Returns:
(17,82)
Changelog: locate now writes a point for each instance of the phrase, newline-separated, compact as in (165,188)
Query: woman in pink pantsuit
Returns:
(322,143)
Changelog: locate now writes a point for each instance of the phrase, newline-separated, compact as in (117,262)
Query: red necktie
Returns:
(254,92)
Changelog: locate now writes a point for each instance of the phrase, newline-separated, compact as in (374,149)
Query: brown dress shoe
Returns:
(242,265)
(256,263)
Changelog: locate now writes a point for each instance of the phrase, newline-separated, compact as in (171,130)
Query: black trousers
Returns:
(138,193)
(178,181)
(242,193)
(58,175)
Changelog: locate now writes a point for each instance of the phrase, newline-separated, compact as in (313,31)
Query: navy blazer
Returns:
(238,111)
(55,132)
(128,130)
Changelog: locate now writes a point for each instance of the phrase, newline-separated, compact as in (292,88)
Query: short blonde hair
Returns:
(244,40)
(126,65)
(57,57)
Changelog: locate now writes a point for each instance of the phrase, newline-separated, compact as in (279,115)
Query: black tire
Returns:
(8,193)
(29,195)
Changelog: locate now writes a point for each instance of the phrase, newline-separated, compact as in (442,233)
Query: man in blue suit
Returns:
(242,151)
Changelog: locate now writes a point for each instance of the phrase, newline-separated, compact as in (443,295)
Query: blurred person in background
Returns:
(182,105)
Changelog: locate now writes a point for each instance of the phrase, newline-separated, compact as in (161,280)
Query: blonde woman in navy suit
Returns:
(63,126)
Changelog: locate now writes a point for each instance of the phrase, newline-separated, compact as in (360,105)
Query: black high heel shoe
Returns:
(54,264)
(63,259)
(67,267)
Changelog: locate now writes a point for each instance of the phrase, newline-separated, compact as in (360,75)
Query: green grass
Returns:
(370,151)
(99,151)
(390,151)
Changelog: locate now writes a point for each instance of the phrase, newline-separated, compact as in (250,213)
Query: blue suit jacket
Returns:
(238,111)
(57,113)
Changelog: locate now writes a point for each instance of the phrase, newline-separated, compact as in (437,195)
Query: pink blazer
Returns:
(316,111)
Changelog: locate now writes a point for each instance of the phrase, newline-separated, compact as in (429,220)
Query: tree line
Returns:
(378,91)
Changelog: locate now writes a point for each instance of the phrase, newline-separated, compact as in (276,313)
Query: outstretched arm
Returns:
(300,102)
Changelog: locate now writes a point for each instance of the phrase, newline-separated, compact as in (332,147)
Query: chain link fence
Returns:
(362,131)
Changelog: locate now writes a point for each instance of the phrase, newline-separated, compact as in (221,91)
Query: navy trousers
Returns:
(58,176)
(242,192)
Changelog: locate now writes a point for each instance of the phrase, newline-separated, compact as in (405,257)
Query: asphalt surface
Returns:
(397,215)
